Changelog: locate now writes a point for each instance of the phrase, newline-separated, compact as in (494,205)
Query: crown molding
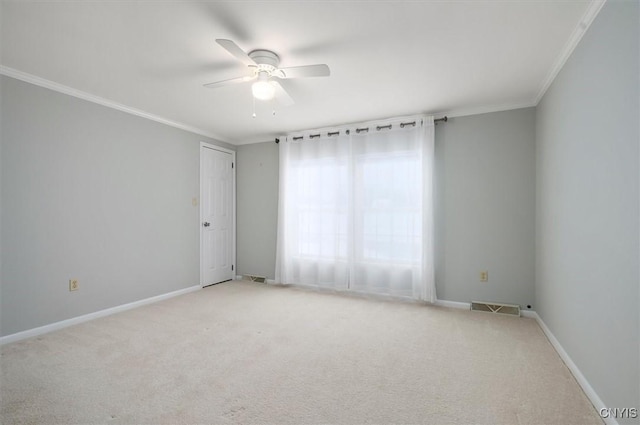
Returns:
(60,88)
(587,19)
(451,113)
(463,112)
(582,27)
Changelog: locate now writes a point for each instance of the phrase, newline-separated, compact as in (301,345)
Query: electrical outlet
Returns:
(484,276)
(73,284)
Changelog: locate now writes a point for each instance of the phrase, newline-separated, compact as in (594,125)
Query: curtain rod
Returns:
(366,129)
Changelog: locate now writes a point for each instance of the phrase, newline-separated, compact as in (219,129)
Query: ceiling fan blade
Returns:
(236,51)
(281,94)
(303,71)
(228,82)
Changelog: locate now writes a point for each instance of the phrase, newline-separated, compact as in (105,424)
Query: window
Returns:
(353,209)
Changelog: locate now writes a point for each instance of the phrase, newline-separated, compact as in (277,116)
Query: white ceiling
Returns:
(387,58)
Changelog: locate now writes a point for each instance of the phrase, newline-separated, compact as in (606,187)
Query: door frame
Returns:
(233,207)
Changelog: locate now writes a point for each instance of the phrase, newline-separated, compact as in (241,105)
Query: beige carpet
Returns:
(248,353)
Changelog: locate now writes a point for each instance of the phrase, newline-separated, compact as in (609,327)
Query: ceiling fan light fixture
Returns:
(264,71)
(263,90)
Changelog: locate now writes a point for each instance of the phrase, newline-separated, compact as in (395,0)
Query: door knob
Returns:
(206,224)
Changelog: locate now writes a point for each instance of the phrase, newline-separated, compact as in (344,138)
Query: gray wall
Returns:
(95,194)
(485,207)
(485,189)
(257,206)
(587,279)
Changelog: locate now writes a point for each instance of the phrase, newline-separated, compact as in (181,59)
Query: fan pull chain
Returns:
(254,106)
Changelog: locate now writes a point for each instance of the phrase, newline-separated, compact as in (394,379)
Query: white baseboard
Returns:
(85,318)
(582,381)
(453,304)
(573,368)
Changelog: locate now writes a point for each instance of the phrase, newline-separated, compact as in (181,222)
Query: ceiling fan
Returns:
(263,69)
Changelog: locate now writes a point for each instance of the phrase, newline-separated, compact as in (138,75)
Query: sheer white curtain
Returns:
(355,208)
(313,212)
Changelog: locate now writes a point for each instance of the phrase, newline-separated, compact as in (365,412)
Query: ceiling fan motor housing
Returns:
(266,60)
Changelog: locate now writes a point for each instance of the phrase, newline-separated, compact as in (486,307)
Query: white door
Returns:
(216,215)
